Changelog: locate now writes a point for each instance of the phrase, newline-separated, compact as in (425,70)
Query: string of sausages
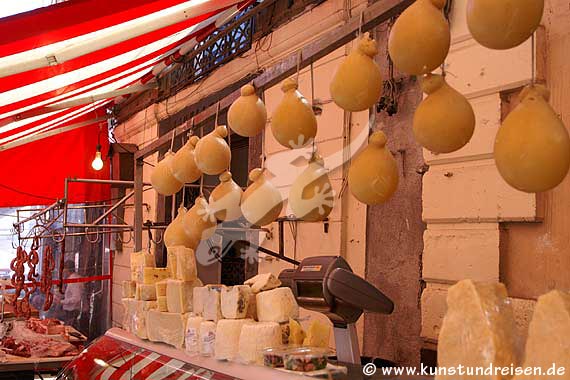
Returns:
(48,265)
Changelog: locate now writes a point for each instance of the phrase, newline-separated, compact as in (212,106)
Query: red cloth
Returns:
(34,173)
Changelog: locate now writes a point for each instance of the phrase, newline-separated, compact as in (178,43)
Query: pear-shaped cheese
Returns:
(503,24)
(162,179)
(212,153)
(373,175)
(199,222)
(293,123)
(261,202)
(175,235)
(247,116)
(183,165)
(420,38)
(532,148)
(357,84)
(311,196)
(444,121)
(225,198)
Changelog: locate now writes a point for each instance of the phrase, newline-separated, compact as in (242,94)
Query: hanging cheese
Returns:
(444,121)
(235,301)
(296,333)
(357,83)
(263,281)
(213,304)
(199,296)
(129,289)
(162,179)
(225,199)
(174,234)
(162,303)
(227,338)
(373,175)
(549,336)
(145,292)
(503,24)
(478,329)
(255,337)
(318,335)
(532,148)
(311,196)
(420,38)
(247,116)
(192,337)
(183,164)
(167,328)
(154,275)
(207,338)
(212,153)
(293,122)
(199,222)
(179,296)
(262,202)
(277,305)
(139,261)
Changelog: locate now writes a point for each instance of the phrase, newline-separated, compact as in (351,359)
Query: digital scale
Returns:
(326,284)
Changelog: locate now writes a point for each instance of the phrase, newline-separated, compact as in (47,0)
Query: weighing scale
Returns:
(326,284)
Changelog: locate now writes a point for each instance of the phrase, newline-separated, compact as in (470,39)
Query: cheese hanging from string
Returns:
(212,154)
(162,179)
(199,222)
(247,116)
(420,38)
(225,199)
(311,196)
(261,202)
(373,175)
(503,24)
(444,121)
(174,234)
(357,83)
(532,148)
(183,164)
(293,122)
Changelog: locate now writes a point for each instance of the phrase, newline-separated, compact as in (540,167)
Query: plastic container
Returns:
(306,359)
(274,357)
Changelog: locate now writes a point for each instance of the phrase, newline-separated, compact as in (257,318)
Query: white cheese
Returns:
(235,301)
(135,316)
(179,296)
(186,269)
(192,337)
(255,337)
(139,261)
(277,305)
(161,288)
(145,292)
(228,332)
(154,275)
(207,338)
(212,305)
(199,299)
(171,262)
(129,289)
(167,328)
(264,281)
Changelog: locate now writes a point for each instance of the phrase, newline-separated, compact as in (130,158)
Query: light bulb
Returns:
(97,163)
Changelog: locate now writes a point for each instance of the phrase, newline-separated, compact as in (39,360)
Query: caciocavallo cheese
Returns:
(228,332)
(192,337)
(277,305)
(167,328)
(207,338)
(235,301)
(255,337)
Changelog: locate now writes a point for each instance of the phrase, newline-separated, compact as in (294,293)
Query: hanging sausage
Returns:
(357,84)
(532,148)
(247,116)
(373,175)
(162,179)
(175,234)
(311,196)
(293,123)
(503,24)
(420,38)
(225,198)
(183,165)
(262,202)
(212,153)
(444,121)
(199,222)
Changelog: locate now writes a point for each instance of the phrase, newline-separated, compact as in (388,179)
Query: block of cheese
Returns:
(129,289)
(235,301)
(318,335)
(171,263)
(252,307)
(139,261)
(548,339)
(207,338)
(162,304)
(478,329)
(227,338)
(154,275)
(199,299)
(261,282)
(145,292)
(186,269)
(192,337)
(167,328)
(135,316)
(277,305)
(296,333)
(285,332)
(255,337)
(212,304)
(161,288)
(179,296)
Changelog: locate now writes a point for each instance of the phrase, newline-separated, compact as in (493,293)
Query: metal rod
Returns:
(278,256)
(138,190)
(39,213)
(115,206)
(90,225)
(77,234)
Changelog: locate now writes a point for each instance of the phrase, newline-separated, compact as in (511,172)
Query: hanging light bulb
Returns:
(97,163)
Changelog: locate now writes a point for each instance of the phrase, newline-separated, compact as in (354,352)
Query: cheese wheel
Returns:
(247,116)
(183,164)
(261,202)
(212,154)
(225,199)
(162,179)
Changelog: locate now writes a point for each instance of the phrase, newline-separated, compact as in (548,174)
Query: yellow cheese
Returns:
(296,333)
(171,262)
(129,289)
(227,338)
(199,299)
(318,335)
(186,269)
(154,275)
(145,292)
(179,296)
(162,303)
(139,261)
(135,316)
(161,288)
(167,328)
(264,281)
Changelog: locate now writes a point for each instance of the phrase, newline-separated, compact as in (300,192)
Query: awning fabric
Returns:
(75,50)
